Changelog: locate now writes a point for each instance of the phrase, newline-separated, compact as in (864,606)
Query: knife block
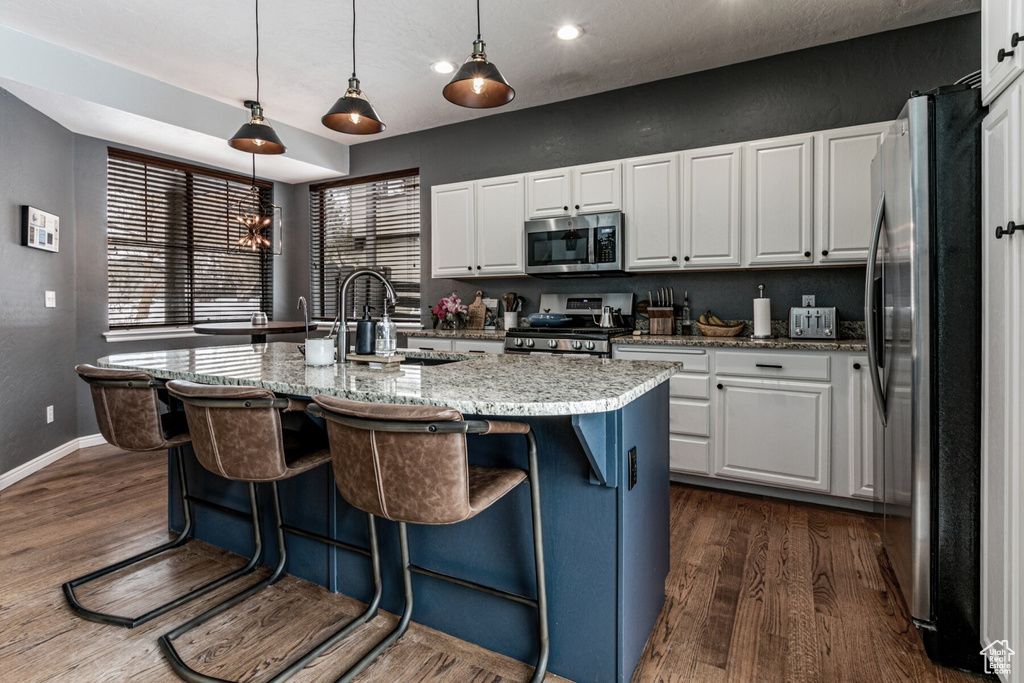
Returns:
(663,319)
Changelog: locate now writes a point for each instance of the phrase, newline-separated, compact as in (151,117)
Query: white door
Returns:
(597,187)
(774,432)
(1001,60)
(778,206)
(652,213)
(452,230)
(548,193)
(845,197)
(1002,480)
(711,207)
(500,209)
(864,429)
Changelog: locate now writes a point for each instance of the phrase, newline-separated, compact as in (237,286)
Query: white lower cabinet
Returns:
(787,419)
(774,432)
(457,345)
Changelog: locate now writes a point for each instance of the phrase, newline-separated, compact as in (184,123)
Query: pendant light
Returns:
(257,137)
(259,219)
(478,83)
(353,113)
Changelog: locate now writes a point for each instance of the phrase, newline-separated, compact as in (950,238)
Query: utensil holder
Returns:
(663,319)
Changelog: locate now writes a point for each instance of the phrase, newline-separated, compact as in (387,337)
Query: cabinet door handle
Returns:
(565,208)
(674,259)
(469,268)
(1003,54)
(426,348)
(824,252)
(1010,228)
(1014,39)
(478,267)
(578,206)
(720,386)
(856,366)
(767,365)
(807,254)
(686,258)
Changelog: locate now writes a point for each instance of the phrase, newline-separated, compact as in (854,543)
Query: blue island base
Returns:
(606,541)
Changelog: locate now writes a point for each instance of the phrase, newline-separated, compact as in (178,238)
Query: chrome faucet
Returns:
(341,341)
(305,313)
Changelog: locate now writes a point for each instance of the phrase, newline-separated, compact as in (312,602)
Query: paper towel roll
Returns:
(762,317)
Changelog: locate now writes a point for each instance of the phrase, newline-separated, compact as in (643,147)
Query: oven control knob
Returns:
(518,342)
(552,343)
(529,343)
(577,345)
(590,346)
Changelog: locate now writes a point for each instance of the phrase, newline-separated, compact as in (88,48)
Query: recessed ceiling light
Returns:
(442,67)
(569,32)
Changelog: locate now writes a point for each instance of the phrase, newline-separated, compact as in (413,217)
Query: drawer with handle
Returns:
(689,360)
(773,364)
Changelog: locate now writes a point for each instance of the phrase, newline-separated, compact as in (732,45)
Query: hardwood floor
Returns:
(759,590)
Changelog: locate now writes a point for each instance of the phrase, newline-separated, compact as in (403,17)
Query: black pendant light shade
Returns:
(353,113)
(257,136)
(478,83)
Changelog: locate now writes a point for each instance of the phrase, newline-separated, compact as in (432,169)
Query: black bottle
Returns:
(365,333)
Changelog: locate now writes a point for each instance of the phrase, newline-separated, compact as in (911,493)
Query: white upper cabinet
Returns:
(593,188)
(499,226)
(778,200)
(597,188)
(1002,41)
(652,212)
(548,193)
(846,198)
(477,228)
(452,230)
(711,235)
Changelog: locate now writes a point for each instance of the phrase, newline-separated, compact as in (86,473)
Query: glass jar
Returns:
(387,337)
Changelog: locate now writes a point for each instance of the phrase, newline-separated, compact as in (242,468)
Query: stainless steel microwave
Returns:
(591,244)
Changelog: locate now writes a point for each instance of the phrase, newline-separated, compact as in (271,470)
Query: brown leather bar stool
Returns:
(373,446)
(127,404)
(237,433)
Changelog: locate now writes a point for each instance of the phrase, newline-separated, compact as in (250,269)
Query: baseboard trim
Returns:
(36,464)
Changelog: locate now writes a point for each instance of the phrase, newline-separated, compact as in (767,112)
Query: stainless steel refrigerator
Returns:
(923,319)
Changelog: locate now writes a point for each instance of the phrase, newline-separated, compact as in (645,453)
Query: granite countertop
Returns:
(777,343)
(496,335)
(481,384)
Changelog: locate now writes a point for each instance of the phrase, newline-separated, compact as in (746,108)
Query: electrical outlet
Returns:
(808,300)
(49,414)
(50,299)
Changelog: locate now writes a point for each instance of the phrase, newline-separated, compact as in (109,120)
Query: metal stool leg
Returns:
(403,624)
(181,539)
(348,628)
(538,555)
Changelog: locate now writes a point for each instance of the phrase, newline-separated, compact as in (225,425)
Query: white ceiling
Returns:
(208,47)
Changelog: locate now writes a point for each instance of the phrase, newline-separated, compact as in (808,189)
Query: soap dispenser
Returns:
(387,335)
(365,333)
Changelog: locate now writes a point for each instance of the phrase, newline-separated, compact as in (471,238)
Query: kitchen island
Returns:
(602,433)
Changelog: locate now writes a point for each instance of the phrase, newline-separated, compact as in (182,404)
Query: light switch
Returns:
(51,299)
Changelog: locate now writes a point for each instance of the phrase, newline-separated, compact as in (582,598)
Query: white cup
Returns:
(319,351)
(511,320)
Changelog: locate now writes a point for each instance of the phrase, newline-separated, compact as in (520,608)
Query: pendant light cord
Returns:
(353,38)
(258,63)
(477,19)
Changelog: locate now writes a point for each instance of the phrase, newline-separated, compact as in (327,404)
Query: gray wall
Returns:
(852,82)
(36,343)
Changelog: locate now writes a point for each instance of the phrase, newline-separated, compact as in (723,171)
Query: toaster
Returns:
(813,322)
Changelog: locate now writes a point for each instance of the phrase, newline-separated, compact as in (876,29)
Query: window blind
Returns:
(172,254)
(371,222)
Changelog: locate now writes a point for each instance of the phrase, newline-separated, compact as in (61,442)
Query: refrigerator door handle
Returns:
(869,313)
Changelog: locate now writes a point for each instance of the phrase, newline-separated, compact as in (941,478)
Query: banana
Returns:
(715,320)
(703,319)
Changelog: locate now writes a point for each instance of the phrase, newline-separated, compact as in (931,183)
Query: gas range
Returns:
(582,337)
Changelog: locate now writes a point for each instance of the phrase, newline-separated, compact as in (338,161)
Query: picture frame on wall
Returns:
(39,229)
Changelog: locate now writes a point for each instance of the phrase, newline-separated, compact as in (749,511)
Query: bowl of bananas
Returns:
(710,325)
